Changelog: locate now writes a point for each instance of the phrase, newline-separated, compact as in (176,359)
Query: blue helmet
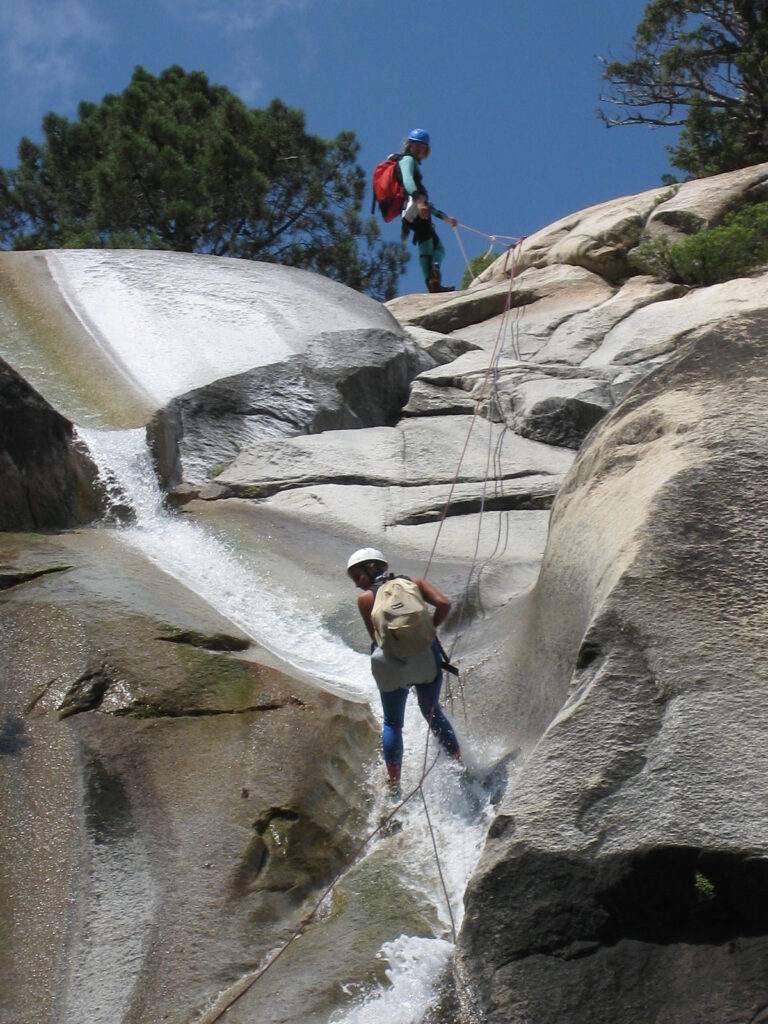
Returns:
(419,135)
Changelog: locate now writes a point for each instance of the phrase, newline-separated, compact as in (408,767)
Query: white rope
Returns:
(506,238)
(511,320)
(463,253)
(493,239)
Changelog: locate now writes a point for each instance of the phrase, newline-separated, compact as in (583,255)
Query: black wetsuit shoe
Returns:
(434,282)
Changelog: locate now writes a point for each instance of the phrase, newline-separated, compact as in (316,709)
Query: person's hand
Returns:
(452,221)
(423,206)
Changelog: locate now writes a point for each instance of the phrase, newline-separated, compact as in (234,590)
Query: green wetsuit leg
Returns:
(431,249)
(431,254)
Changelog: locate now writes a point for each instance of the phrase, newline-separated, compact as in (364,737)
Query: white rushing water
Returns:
(204,563)
(172,322)
(232,583)
(459,817)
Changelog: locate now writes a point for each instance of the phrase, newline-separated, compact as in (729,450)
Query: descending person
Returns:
(394,675)
(417,212)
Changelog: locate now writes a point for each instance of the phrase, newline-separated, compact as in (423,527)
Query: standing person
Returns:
(394,676)
(416,216)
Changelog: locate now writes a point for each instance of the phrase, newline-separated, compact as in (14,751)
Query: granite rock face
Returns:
(613,640)
(631,845)
(341,380)
(170,796)
(47,480)
(601,237)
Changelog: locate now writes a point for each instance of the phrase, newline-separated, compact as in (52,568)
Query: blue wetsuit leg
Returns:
(393,705)
(428,696)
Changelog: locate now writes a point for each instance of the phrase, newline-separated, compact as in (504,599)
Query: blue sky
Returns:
(508,89)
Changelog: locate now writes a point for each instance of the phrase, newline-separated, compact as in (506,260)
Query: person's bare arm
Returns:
(365,607)
(435,597)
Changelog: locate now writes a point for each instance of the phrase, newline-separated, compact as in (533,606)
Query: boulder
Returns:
(703,202)
(551,403)
(440,347)
(555,411)
(603,237)
(171,798)
(457,385)
(540,300)
(654,331)
(600,237)
(342,380)
(137,328)
(630,845)
(580,335)
(47,480)
(450,311)
(438,398)
(420,449)
(597,239)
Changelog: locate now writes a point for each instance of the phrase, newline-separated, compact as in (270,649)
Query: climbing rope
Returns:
(493,459)
(228,999)
(493,469)
(478,400)
(492,239)
(506,238)
(463,252)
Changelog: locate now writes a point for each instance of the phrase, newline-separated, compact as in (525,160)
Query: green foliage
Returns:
(252,491)
(652,258)
(736,247)
(477,265)
(174,162)
(705,890)
(703,67)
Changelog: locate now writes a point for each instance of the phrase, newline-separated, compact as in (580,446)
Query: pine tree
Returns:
(703,67)
(174,162)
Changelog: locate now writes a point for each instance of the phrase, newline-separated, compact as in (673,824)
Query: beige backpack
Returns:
(401,619)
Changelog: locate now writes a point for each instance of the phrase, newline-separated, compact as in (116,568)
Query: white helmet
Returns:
(365,555)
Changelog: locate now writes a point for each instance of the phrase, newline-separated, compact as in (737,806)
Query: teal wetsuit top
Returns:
(410,172)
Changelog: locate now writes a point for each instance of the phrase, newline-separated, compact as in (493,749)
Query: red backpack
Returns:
(388,189)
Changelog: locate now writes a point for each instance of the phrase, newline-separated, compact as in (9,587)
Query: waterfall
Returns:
(209,565)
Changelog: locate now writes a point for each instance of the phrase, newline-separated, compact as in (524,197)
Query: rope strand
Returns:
(507,238)
(492,239)
(228,999)
(475,412)
(463,253)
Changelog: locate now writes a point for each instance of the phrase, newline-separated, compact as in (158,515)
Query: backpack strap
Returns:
(385,577)
(445,662)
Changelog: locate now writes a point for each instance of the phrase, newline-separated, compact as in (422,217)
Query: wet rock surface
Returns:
(342,380)
(47,480)
(206,794)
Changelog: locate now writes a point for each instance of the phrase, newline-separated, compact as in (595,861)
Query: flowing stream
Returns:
(236,585)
